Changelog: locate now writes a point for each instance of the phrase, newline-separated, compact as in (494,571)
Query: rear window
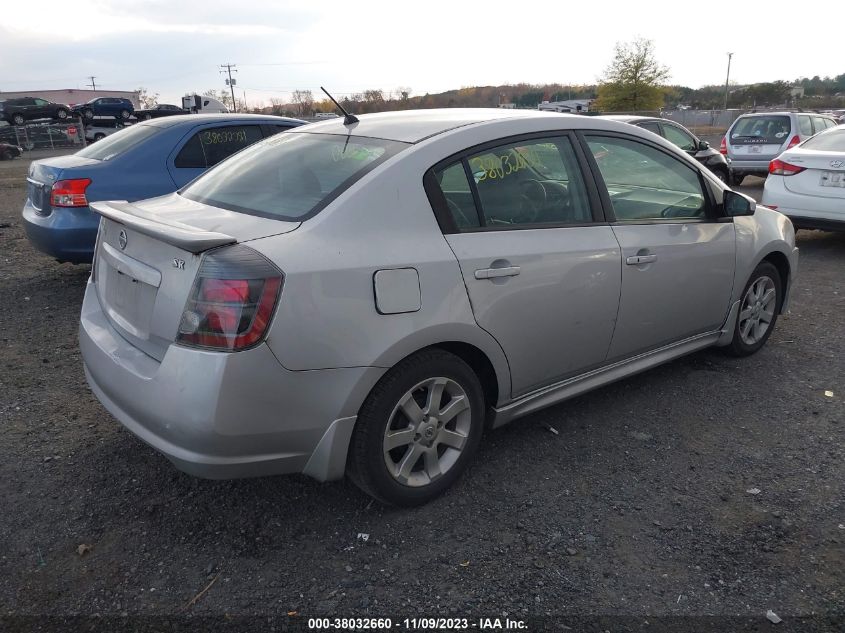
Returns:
(119,142)
(831,141)
(290,176)
(761,129)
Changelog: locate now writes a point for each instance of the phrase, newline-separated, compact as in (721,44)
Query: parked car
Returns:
(116,107)
(162,109)
(683,138)
(98,130)
(370,296)
(19,111)
(142,161)
(807,182)
(754,140)
(9,151)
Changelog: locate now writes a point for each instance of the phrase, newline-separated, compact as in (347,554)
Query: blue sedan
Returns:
(145,160)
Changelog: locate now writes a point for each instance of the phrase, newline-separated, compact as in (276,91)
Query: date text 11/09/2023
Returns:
(416,624)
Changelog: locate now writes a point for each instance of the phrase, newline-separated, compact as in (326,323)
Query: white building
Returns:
(72,96)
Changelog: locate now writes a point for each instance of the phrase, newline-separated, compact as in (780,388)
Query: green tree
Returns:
(634,80)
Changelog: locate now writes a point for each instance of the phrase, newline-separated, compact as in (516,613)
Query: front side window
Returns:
(679,137)
(208,147)
(291,176)
(645,183)
(41,102)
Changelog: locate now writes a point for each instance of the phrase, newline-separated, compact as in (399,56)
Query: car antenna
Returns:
(348,119)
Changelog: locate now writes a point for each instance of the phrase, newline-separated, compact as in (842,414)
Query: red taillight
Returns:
(780,168)
(232,301)
(723,146)
(69,193)
(795,140)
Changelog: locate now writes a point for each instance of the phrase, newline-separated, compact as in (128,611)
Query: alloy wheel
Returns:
(426,432)
(758,310)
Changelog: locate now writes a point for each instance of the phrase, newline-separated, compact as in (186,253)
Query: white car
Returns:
(807,182)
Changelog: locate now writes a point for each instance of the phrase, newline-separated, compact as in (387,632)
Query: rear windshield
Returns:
(290,176)
(117,143)
(761,129)
(830,141)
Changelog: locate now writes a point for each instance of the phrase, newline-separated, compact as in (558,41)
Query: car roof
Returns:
(413,126)
(193,119)
(630,118)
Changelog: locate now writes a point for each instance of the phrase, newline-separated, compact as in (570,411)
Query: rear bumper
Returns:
(68,234)
(224,415)
(748,166)
(805,211)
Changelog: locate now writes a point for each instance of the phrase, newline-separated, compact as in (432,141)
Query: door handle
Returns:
(492,273)
(636,260)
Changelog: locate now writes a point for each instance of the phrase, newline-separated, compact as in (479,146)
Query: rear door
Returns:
(677,260)
(759,137)
(206,146)
(541,267)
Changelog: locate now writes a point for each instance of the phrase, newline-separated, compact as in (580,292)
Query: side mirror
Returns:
(738,204)
(703,145)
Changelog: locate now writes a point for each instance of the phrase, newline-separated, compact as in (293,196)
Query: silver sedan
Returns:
(367,297)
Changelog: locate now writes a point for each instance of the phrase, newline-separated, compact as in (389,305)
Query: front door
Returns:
(677,260)
(543,275)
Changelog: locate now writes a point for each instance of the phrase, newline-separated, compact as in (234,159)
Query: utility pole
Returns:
(93,85)
(230,68)
(727,79)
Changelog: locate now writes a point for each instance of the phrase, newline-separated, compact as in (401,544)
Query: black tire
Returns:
(366,462)
(87,114)
(61,114)
(735,179)
(738,346)
(18,119)
(99,136)
(124,114)
(7,155)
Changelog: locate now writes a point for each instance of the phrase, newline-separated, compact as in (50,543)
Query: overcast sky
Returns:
(175,46)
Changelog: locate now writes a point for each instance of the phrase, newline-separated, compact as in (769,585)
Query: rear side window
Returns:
(769,129)
(291,176)
(118,143)
(832,141)
(651,127)
(804,125)
(519,185)
(818,124)
(208,147)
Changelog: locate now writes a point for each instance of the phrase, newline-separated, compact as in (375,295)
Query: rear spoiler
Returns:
(182,236)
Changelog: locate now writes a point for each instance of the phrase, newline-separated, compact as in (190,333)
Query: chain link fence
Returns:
(44,136)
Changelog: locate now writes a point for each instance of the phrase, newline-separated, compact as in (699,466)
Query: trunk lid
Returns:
(43,173)
(823,175)
(148,255)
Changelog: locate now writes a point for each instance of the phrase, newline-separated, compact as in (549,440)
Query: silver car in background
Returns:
(753,140)
(367,297)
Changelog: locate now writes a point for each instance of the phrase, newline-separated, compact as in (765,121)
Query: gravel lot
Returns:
(639,507)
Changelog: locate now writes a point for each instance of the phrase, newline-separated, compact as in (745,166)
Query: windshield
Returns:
(116,144)
(829,141)
(761,129)
(290,176)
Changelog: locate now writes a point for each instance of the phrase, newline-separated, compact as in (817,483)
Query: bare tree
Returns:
(303,101)
(402,92)
(146,99)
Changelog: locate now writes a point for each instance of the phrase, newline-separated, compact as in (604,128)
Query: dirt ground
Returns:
(641,508)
